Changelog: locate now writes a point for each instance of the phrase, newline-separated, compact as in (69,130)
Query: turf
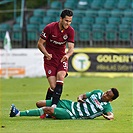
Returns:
(24,92)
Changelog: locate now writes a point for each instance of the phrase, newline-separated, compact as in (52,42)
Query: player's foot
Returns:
(14,111)
(43,116)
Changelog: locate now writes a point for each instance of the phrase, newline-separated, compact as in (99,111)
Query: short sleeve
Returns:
(107,108)
(88,94)
(45,33)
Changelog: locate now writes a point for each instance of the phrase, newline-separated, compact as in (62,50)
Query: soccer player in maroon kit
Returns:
(52,43)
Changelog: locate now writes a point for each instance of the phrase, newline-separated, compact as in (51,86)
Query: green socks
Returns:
(33,112)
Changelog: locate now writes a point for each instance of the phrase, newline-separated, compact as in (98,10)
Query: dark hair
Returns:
(115,92)
(66,12)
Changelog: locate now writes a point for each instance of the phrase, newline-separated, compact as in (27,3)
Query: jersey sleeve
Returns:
(88,94)
(45,33)
(107,108)
(71,36)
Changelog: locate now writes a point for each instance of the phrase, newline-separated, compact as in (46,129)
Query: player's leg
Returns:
(61,73)
(59,87)
(44,103)
(51,76)
(33,112)
(52,83)
(60,113)
(49,93)
(37,112)
(41,103)
(56,78)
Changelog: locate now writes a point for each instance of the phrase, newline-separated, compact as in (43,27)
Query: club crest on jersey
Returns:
(65,37)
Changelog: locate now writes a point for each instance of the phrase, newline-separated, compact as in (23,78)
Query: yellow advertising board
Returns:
(110,62)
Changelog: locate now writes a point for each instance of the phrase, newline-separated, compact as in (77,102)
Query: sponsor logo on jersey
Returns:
(96,102)
(55,42)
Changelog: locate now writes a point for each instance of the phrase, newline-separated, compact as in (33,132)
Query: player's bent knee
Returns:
(61,75)
(40,104)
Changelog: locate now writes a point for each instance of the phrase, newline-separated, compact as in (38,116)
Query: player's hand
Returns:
(80,100)
(64,58)
(48,56)
(107,117)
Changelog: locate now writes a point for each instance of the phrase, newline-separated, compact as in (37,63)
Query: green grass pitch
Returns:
(24,92)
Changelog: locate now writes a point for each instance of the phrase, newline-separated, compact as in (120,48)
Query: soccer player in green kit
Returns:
(89,106)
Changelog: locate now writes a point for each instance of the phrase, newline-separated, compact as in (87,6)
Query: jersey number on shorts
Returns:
(65,65)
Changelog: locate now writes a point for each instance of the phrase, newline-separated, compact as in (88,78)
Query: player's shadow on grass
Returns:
(49,119)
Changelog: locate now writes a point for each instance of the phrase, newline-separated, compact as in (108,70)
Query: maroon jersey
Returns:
(56,40)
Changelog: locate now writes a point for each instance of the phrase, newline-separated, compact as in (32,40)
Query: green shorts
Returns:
(60,112)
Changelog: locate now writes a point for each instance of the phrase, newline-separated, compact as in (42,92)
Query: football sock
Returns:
(57,92)
(33,112)
(49,93)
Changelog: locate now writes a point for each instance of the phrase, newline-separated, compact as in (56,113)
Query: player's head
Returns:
(110,95)
(66,18)
(115,92)
(66,12)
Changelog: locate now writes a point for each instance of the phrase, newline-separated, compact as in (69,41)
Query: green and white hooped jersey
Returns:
(93,106)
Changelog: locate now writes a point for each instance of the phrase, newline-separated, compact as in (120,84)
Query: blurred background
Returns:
(98,23)
(105,27)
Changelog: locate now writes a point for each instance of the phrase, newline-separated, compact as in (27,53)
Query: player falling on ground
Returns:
(89,106)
